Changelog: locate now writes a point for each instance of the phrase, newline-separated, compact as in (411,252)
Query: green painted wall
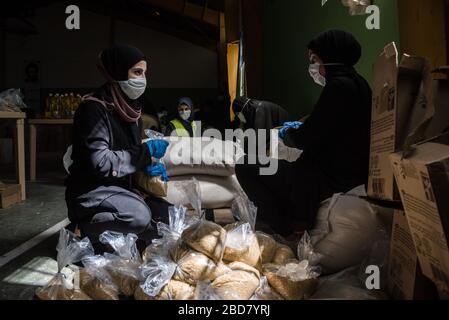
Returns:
(288,27)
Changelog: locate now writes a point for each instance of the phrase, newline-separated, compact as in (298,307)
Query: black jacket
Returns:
(106,149)
(336,137)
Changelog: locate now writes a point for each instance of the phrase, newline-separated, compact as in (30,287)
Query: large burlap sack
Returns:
(267,246)
(346,228)
(238,284)
(241,245)
(206,237)
(150,185)
(215,192)
(293,281)
(200,156)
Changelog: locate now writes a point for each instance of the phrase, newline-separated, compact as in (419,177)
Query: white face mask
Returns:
(133,88)
(185,115)
(314,70)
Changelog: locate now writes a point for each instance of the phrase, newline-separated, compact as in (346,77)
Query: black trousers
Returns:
(116,209)
(288,199)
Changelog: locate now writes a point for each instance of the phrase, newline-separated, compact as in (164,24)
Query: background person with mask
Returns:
(335,140)
(107,150)
(183,125)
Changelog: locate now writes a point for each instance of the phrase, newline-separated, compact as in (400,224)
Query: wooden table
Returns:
(34,124)
(19,140)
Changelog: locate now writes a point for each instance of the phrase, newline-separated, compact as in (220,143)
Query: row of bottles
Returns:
(62,106)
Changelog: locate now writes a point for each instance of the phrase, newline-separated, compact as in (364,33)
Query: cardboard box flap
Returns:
(430,152)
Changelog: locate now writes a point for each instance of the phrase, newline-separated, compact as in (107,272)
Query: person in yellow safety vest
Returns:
(183,125)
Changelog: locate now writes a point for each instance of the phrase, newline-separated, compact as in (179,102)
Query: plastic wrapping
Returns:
(207,238)
(123,266)
(242,245)
(12,100)
(238,284)
(265,292)
(267,246)
(157,273)
(244,210)
(205,292)
(95,280)
(146,183)
(191,195)
(306,250)
(70,250)
(294,280)
(283,254)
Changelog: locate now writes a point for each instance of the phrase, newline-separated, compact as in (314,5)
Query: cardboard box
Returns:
(405,278)
(398,108)
(10,194)
(423,181)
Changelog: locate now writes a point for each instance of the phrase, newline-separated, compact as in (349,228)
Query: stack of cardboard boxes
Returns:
(409,168)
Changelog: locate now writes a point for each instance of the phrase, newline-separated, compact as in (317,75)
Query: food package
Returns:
(294,280)
(70,250)
(95,280)
(282,254)
(123,266)
(174,290)
(244,210)
(241,244)
(267,246)
(150,185)
(192,266)
(238,284)
(206,237)
(265,292)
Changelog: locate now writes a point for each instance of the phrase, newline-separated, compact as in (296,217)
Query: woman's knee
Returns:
(140,219)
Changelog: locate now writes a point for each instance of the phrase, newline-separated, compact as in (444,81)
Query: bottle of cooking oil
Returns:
(56,111)
(48,106)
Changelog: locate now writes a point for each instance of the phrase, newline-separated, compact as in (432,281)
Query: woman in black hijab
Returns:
(107,150)
(335,140)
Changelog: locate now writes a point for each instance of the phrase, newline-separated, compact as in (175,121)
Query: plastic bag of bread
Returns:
(282,254)
(150,185)
(267,246)
(293,281)
(173,290)
(70,250)
(192,266)
(206,237)
(238,284)
(265,291)
(123,265)
(241,244)
(95,281)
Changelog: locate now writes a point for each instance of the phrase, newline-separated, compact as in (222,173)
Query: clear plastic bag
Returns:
(306,250)
(157,273)
(95,280)
(192,195)
(244,210)
(267,245)
(294,280)
(123,266)
(70,250)
(265,292)
(12,100)
(205,292)
(242,245)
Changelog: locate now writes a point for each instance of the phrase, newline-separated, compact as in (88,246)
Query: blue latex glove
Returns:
(289,125)
(157,148)
(158,170)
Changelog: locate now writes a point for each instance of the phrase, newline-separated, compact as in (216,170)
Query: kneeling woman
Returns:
(107,150)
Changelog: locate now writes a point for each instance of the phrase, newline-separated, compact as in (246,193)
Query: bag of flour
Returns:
(95,280)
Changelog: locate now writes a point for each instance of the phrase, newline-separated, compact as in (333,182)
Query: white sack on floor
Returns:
(202,156)
(216,192)
(346,228)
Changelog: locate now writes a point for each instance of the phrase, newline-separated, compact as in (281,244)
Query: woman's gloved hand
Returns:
(289,125)
(158,170)
(157,148)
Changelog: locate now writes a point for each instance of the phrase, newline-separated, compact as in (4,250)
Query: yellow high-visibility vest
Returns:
(181,130)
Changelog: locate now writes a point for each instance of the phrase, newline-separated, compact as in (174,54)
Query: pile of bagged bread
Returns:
(194,259)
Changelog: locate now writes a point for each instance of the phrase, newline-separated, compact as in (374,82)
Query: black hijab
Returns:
(337,46)
(119,58)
